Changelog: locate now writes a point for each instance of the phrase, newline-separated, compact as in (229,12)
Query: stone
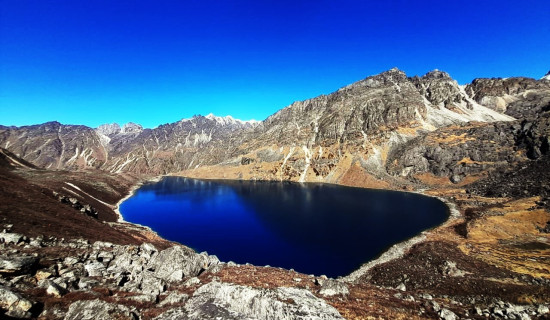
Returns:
(447,314)
(215,268)
(70,261)
(17,264)
(151,284)
(449,268)
(95,269)
(173,298)
(143,298)
(542,309)
(125,262)
(401,287)
(98,309)
(174,263)
(8,237)
(177,314)
(456,178)
(230,301)
(102,244)
(147,250)
(105,256)
(14,303)
(87,283)
(55,290)
(332,287)
(42,274)
(192,282)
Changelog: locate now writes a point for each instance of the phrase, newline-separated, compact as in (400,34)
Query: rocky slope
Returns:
(363,120)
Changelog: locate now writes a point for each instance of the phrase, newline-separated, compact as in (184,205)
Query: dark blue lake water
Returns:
(312,228)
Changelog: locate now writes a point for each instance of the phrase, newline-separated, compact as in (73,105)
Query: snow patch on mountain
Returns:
(229,120)
(546,77)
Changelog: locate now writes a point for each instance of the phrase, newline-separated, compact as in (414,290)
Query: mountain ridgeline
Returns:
(385,130)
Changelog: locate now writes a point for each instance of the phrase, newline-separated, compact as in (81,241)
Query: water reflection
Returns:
(313,228)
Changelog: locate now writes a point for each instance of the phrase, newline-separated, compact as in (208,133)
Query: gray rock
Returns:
(105,257)
(174,263)
(542,309)
(456,178)
(332,287)
(401,287)
(147,250)
(447,314)
(173,298)
(14,238)
(126,261)
(70,261)
(144,298)
(192,281)
(98,309)
(14,303)
(54,289)
(95,269)
(87,283)
(150,284)
(215,268)
(175,314)
(17,264)
(102,244)
(239,302)
(449,268)
(524,316)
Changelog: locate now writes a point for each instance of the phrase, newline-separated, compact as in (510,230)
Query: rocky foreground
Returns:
(50,278)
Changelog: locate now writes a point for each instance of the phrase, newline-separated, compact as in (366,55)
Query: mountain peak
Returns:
(436,74)
(131,127)
(546,77)
(228,120)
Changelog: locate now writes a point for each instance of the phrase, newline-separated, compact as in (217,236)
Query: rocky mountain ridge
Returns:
(370,113)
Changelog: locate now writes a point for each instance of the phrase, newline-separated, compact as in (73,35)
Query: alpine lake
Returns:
(311,228)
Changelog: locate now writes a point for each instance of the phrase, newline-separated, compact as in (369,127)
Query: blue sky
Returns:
(154,62)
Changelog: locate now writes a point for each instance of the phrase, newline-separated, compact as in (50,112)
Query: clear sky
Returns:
(153,62)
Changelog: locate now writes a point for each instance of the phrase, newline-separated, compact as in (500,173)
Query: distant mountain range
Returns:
(387,128)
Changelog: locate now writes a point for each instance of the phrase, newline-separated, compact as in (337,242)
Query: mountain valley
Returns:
(483,148)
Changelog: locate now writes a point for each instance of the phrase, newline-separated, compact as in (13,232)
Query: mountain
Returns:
(381,129)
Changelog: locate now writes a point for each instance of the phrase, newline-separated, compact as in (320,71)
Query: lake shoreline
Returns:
(393,252)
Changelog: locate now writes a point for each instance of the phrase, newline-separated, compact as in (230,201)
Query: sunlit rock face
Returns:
(357,127)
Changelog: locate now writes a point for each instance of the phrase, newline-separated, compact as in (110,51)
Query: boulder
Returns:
(95,269)
(15,305)
(144,298)
(192,282)
(55,290)
(98,309)
(174,263)
(447,314)
(173,298)
(8,237)
(17,264)
(230,301)
(176,314)
(150,284)
(333,287)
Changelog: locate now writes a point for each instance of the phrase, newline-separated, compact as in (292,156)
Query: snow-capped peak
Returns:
(227,120)
(546,77)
